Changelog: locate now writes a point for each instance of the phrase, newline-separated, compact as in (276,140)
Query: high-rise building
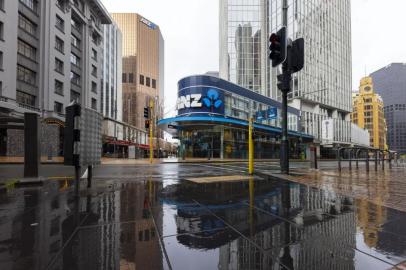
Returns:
(390,83)
(111,85)
(322,90)
(368,113)
(143,70)
(50,56)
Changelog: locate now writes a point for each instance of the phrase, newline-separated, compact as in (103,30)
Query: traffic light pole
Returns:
(284,158)
(151,125)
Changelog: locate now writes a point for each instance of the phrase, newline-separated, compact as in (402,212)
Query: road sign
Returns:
(272,113)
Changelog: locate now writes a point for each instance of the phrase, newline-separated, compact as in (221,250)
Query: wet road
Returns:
(151,217)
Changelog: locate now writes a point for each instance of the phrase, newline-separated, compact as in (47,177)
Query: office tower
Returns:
(322,90)
(390,84)
(143,67)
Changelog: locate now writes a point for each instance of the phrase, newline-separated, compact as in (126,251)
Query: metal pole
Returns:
(250,147)
(339,159)
(151,125)
(89,176)
(383,160)
(77,180)
(285,140)
(350,161)
(376,160)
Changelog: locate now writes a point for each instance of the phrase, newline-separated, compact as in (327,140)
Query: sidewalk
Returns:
(385,188)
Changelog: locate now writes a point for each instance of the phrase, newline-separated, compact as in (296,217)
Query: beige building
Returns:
(143,67)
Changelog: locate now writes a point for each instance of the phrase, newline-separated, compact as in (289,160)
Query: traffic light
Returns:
(297,55)
(146,124)
(146,112)
(284,82)
(278,47)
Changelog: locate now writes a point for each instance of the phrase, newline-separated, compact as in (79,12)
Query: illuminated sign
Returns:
(148,23)
(189,101)
(200,99)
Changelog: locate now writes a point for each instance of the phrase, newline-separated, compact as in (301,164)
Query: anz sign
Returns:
(200,100)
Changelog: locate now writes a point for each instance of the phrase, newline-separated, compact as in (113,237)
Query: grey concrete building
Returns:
(51,54)
(322,90)
(390,84)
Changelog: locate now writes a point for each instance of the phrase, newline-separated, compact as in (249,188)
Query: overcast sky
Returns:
(190,30)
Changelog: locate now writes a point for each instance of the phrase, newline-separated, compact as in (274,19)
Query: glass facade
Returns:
(213,117)
(322,90)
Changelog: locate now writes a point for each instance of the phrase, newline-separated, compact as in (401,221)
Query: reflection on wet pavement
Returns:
(163,221)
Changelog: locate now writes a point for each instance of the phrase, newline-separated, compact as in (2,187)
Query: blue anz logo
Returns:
(212,99)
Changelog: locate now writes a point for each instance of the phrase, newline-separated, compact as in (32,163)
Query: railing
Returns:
(354,155)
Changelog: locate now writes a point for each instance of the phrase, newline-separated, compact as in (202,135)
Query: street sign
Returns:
(272,113)
(269,114)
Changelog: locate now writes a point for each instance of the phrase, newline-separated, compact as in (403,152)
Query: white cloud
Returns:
(190,30)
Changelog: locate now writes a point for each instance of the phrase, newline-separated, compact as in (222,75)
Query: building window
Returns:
(27,50)
(2,5)
(58,107)
(131,78)
(60,23)
(94,104)
(75,78)
(75,41)
(74,59)
(1,30)
(27,25)
(58,66)
(148,82)
(26,99)
(94,87)
(59,87)
(94,54)
(78,4)
(59,44)
(1,62)
(31,4)
(124,78)
(75,24)
(94,70)
(74,96)
(26,75)
(142,79)
(154,83)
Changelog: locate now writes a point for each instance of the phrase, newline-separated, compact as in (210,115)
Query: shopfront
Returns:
(212,121)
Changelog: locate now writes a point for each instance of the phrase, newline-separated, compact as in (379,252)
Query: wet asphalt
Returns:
(152,217)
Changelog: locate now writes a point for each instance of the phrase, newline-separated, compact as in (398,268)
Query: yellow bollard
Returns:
(151,125)
(250,147)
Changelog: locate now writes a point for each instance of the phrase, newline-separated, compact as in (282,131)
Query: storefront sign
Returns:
(200,99)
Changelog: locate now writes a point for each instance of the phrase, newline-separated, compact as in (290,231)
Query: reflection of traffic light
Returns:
(147,124)
(278,47)
(146,112)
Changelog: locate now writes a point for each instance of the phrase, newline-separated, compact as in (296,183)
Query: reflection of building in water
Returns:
(139,239)
(372,215)
(324,225)
(31,231)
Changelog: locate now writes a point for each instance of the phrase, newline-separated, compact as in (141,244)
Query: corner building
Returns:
(368,113)
(212,121)
(322,90)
